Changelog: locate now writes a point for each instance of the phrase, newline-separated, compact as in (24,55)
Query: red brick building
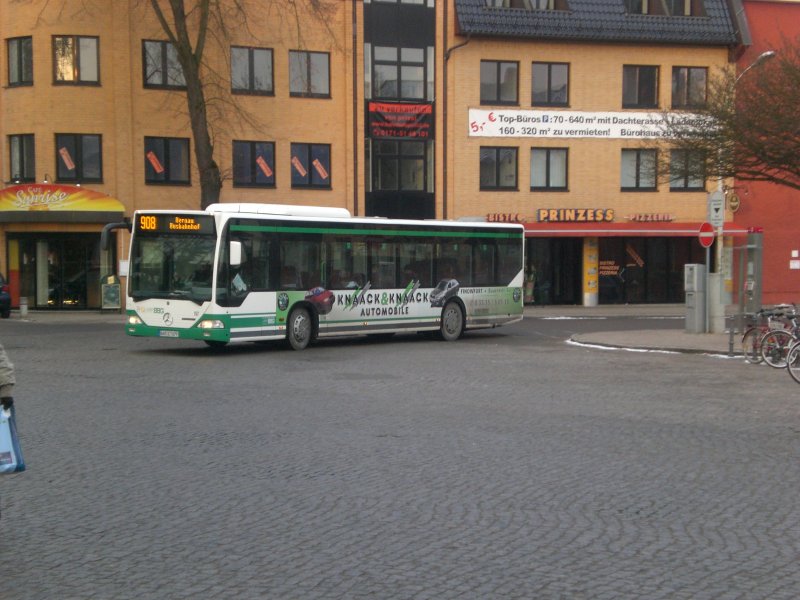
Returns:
(765,205)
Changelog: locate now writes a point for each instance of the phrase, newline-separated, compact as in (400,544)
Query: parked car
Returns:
(5,298)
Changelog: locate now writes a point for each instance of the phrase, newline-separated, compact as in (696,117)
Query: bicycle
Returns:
(793,361)
(775,344)
(754,334)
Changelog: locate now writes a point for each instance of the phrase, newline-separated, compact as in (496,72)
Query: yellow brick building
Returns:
(372,107)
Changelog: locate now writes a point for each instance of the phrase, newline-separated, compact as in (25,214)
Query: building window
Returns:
(166,160)
(251,70)
(550,83)
(529,4)
(548,169)
(686,171)
(311,165)
(499,82)
(79,157)
(309,74)
(498,168)
(638,170)
(76,60)
(670,8)
(253,164)
(20,61)
(689,85)
(161,66)
(636,7)
(639,86)
(398,165)
(398,73)
(21,153)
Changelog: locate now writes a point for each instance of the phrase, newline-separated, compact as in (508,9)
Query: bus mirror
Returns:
(236,253)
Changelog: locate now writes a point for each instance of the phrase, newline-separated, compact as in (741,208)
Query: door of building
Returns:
(555,265)
(641,270)
(59,271)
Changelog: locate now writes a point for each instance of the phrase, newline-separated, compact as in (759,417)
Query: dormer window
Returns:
(670,8)
(529,4)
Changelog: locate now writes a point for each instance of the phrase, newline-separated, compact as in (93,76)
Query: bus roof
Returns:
(291,212)
(288,210)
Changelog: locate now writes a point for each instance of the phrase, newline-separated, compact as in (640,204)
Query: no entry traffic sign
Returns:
(706,235)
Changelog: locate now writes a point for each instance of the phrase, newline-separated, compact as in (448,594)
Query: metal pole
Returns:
(706,327)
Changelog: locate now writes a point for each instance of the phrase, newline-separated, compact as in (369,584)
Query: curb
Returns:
(646,348)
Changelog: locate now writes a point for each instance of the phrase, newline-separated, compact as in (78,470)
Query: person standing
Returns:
(7,380)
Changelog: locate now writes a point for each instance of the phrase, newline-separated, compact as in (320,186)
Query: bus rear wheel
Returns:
(452,322)
(299,329)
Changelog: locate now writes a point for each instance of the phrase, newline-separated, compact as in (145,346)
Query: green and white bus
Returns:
(253,272)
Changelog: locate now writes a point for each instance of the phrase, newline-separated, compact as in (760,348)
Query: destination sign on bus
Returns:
(161,223)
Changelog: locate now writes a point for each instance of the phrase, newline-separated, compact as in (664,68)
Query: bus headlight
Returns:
(134,320)
(211,324)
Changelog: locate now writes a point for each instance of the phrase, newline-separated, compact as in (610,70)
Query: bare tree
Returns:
(750,127)
(189,26)
(190,57)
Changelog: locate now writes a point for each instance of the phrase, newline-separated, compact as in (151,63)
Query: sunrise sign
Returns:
(43,196)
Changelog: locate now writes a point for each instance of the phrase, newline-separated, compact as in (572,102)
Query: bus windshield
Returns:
(172,266)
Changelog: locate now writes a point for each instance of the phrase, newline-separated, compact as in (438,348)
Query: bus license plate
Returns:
(163,333)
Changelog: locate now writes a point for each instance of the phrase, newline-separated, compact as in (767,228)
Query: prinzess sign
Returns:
(574,215)
(557,215)
(54,197)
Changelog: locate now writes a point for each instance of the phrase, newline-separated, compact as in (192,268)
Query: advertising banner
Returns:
(54,197)
(393,120)
(570,123)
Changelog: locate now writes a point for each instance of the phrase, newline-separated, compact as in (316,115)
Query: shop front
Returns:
(51,245)
(610,263)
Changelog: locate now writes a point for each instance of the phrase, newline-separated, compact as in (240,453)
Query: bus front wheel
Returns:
(299,329)
(452,322)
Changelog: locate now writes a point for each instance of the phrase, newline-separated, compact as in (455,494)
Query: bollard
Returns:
(23,306)
(731,328)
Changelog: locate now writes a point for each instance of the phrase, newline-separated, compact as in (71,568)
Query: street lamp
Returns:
(766,55)
(760,59)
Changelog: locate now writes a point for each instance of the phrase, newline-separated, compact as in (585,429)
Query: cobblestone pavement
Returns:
(506,465)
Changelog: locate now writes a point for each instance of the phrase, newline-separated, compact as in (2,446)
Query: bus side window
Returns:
(289,278)
(484,264)
(414,262)
(454,262)
(311,279)
(259,267)
(511,262)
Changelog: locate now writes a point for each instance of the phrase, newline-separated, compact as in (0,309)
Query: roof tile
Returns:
(600,21)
